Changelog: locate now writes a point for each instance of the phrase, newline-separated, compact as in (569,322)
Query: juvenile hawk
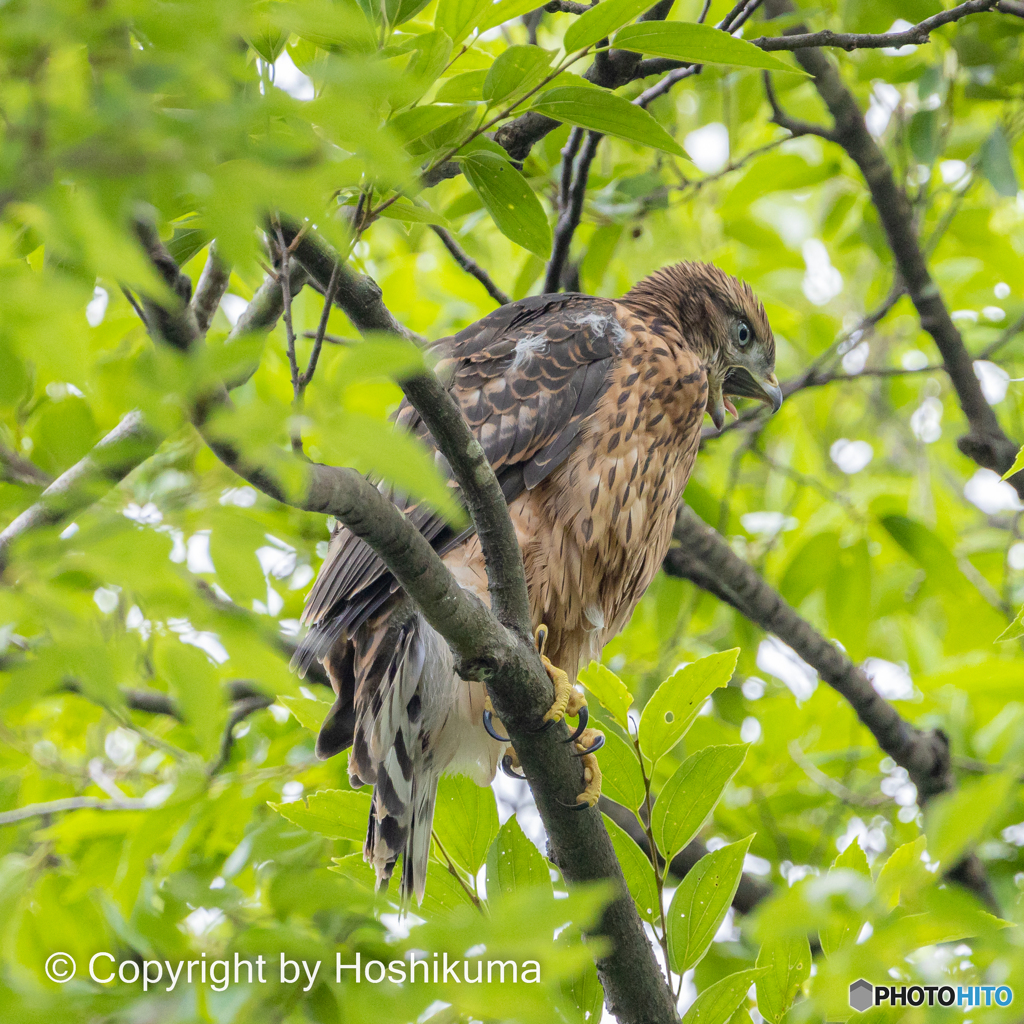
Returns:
(589,411)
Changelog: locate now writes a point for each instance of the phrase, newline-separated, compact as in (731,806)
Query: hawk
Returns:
(589,411)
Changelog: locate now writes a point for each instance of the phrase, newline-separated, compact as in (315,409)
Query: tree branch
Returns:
(985,443)
(915,35)
(131,442)
(704,558)
(470,265)
(572,209)
(213,283)
(503,658)
(18,470)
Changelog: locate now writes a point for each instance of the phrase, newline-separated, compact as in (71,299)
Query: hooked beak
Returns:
(741,382)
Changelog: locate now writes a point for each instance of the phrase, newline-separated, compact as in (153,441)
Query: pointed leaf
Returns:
(610,691)
(787,961)
(637,871)
(334,813)
(510,201)
(310,714)
(690,795)
(516,70)
(602,111)
(465,820)
(514,863)
(718,1002)
(621,778)
(698,44)
(700,904)
(601,21)
(676,703)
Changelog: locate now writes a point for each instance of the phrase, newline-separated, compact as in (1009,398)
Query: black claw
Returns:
(584,718)
(575,807)
(545,725)
(489,726)
(598,744)
(507,769)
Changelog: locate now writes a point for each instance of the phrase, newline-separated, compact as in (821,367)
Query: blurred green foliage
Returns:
(854,501)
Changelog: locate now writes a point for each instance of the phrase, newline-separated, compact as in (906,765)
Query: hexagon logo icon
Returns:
(861,995)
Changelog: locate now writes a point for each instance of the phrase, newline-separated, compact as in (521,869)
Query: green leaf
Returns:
(510,201)
(610,691)
(678,700)
(334,813)
(516,70)
(718,1002)
(419,121)
(601,21)
(402,209)
(997,163)
(1018,465)
(459,17)
(621,778)
(787,963)
(690,795)
(955,822)
(310,714)
(465,820)
(1014,630)
(460,88)
(514,863)
(925,548)
(700,904)
(637,871)
(698,44)
(602,111)
(408,9)
(492,15)
(444,892)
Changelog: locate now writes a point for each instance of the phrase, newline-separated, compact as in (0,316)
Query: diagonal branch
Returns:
(213,283)
(985,442)
(704,558)
(470,265)
(485,649)
(915,35)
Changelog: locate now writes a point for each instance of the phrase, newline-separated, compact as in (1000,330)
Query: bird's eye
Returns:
(743,332)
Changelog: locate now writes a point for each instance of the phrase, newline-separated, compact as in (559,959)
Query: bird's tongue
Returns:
(730,406)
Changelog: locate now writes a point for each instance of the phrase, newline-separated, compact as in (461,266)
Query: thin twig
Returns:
(470,265)
(73,803)
(305,378)
(570,217)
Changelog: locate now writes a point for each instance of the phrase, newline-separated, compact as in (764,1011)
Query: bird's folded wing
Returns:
(526,377)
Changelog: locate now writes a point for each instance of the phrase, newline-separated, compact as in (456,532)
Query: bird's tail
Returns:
(407,833)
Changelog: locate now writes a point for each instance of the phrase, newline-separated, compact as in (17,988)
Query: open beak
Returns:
(741,382)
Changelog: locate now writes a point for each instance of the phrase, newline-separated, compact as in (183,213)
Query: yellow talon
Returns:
(568,700)
(591,769)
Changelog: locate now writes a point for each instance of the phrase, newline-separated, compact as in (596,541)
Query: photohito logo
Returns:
(60,967)
(864,995)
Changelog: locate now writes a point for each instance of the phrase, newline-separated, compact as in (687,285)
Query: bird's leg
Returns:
(568,700)
(589,742)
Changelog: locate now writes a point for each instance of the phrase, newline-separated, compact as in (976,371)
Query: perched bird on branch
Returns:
(589,410)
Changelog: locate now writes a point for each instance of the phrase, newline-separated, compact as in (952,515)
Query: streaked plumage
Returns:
(589,411)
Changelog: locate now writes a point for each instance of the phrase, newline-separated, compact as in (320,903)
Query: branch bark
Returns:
(915,35)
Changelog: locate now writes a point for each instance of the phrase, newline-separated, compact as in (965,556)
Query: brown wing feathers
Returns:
(525,377)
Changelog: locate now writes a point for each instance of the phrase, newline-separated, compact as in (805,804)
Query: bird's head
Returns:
(722,320)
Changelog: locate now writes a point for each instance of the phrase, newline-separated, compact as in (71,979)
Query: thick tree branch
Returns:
(985,443)
(505,659)
(470,265)
(213,283)
(704,558)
